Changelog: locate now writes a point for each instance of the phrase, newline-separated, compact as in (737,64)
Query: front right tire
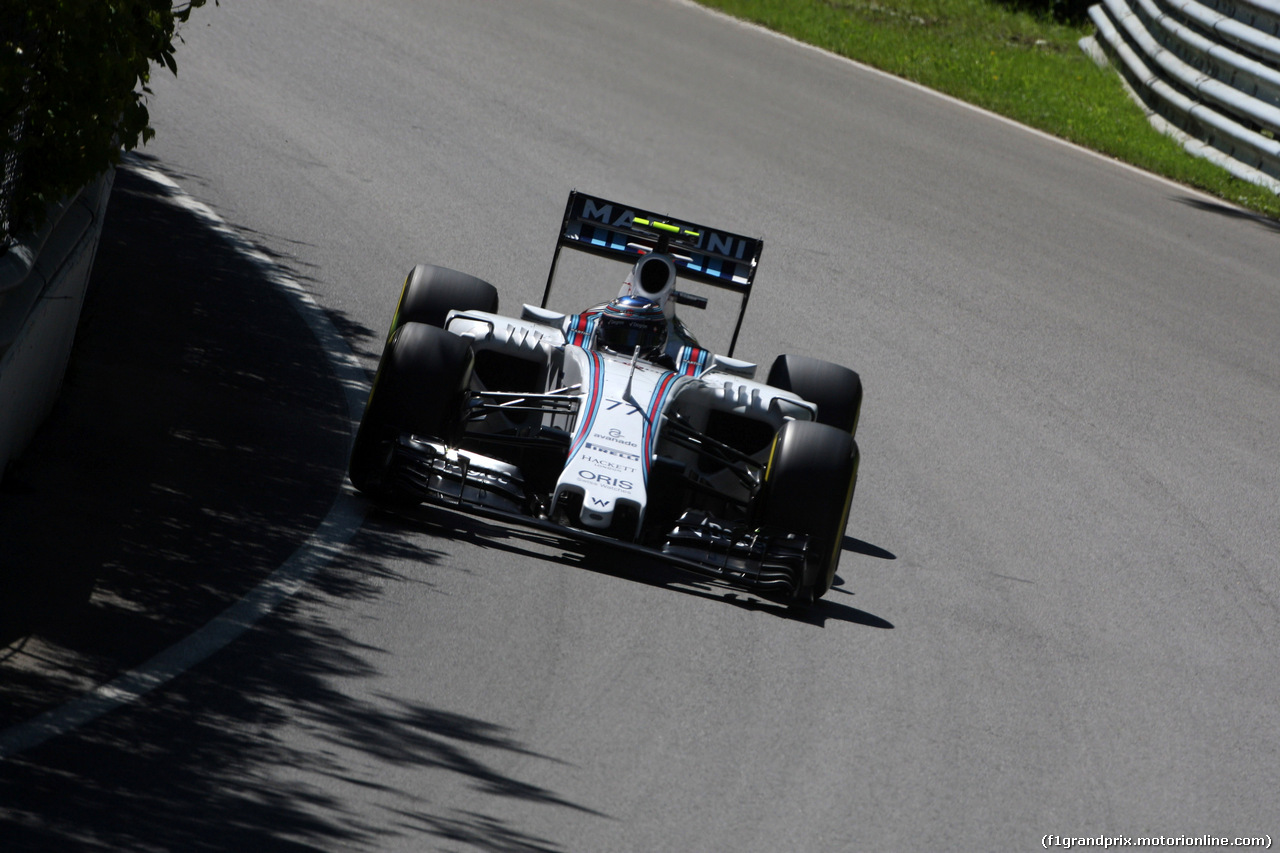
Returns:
(809,484)
(834,388)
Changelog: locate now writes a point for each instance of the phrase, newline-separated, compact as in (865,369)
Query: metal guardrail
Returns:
(1207,72)
(43,277)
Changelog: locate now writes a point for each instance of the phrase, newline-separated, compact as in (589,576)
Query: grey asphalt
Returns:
(1058,603)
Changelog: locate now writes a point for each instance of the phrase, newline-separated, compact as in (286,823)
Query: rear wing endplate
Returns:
(709,255)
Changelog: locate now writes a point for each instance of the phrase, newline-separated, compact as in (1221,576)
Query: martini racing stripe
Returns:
(581,327)
(593,406)
(656,403)
(691,361)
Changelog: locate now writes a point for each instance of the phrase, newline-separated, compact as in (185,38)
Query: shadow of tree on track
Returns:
(201,765)
(199,440)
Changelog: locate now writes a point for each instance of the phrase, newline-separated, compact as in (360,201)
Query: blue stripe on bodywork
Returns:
(593,406)
(656,404)
(691,361)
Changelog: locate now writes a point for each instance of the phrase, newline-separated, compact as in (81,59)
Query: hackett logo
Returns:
(611,464)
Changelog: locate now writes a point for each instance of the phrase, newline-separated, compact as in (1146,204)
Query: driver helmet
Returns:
(632,321)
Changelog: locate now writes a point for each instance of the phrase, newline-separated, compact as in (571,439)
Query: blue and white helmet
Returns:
(629,322)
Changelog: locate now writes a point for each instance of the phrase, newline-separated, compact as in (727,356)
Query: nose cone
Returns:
(597,508)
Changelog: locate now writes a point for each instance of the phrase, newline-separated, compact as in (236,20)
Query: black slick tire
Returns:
(809,486)
(418,390)
(431,292)
(835,389)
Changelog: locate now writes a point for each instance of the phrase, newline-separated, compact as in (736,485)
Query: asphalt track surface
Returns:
(1058,602)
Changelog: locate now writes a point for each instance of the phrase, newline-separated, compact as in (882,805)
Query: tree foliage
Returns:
(73,76)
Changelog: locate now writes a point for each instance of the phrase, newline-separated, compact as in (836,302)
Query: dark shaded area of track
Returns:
(197,442)
(188,768)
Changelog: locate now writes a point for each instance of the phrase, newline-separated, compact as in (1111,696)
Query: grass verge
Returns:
(1019,64)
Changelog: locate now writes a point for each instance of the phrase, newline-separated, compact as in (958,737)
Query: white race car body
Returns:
(622,405)
(669,455)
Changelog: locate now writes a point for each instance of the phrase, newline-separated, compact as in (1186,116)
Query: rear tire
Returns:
(431,292)
(809,486)
(835,389)
(418,390)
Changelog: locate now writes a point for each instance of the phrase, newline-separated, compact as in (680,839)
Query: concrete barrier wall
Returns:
(1208,73)
(43,278)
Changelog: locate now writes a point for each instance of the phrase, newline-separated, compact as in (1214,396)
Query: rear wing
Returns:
(612,230)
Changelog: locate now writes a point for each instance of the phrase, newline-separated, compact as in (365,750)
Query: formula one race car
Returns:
(613,424)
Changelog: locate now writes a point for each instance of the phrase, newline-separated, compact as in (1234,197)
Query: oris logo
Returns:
(606,480)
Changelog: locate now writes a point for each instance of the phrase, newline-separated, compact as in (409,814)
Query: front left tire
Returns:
(431,292)
(418,389)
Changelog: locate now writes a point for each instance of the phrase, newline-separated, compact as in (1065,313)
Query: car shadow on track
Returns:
(601,559)
(1229,211)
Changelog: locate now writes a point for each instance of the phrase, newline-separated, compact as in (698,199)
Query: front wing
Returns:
(768,563)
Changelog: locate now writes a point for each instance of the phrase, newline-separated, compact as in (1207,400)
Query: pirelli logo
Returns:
(600,448)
